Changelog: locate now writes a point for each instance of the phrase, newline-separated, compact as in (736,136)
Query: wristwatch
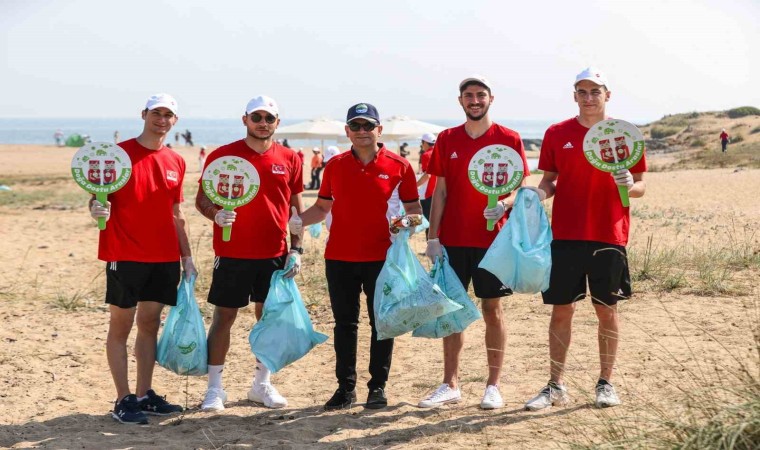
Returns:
(297,249)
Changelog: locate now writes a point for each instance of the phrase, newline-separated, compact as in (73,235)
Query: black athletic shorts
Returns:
(129,282)
(604,266)
(236,281)
(426,203)
(464,261)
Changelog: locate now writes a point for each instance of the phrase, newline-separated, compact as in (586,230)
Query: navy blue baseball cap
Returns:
(363,111)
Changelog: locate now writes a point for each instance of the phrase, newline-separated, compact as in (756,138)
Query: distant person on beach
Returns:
(285,143)
(116,137)
(426,181)
(403,151)
(176,138)
(58,136)
(590,227)
(188,137)
(301,156)
(202,158)
(316,168)
(458,221)
(357,186)
(144,244)
(244,265)
(724,140)
(330,152)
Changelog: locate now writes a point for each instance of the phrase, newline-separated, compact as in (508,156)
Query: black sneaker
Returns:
(156,405)
(341,399)
(376,399)
(128,411)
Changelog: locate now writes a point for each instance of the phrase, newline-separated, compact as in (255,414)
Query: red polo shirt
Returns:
(260,228)
(359,229)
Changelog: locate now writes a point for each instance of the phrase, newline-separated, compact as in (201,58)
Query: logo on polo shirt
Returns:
(568,145)
(278,169)
(172,175)
(383,176)
(454,155)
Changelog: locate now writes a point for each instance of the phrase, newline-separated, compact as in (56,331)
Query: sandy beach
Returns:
(56,390)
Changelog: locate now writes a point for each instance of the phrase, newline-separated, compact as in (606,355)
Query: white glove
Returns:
(434,250)
(224,218)
(98,210)
(189,267)
(623,177)
(295,223)
(540,192)
(495,213)
(295,257)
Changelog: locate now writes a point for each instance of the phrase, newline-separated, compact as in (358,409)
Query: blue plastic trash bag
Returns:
(285,333)
(423,226)
(182,346)
(405,296)
(521,255)
(315,230)
(454,322)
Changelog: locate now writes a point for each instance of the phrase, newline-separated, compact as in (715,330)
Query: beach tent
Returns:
(398,128)
(74,140)
(321,128)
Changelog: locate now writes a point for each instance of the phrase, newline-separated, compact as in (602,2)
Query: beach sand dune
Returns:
(56,390)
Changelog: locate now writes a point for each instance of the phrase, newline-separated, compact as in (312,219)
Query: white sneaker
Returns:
(492,398)
(551,394)
(606,396)
(441,396)
(214,400)
(267,395)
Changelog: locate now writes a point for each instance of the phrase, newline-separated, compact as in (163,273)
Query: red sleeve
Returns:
(436,166)
(546,157)
(325,191)
(407,190)
(296,181)
(425,160)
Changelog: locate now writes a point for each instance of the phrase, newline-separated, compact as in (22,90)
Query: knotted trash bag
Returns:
(405,296)
(182,346)
(456,321)
(521,255)
(285,333)
(315,230)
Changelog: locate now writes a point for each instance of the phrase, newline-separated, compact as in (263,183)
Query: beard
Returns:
(261,138)
(477,118)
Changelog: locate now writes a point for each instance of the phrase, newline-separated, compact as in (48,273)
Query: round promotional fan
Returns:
(230,182)
(101,168)
(495,170)
(612,145)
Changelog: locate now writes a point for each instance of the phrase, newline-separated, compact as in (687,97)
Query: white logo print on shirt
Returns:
(568,145)
(171,175)
(454,155)
(383,176)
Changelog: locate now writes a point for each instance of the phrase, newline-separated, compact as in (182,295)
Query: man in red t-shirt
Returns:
(143,244)
(458,220)
(244,265)
(724,140)
(356,188)
(427,143)
(590,228)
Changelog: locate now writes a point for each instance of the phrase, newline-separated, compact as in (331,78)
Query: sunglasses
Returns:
(256,118)
(366,126)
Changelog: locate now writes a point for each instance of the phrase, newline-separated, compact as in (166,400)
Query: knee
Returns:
(148,324)
(224,318)
(562,315)
(493,315)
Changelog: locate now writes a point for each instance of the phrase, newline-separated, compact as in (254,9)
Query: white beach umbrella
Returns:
(321,128)
(403,127)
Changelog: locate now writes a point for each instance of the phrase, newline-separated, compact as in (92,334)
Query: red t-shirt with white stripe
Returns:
(463,224)
(141,227)
(587,204)
(260,228)
(359,229)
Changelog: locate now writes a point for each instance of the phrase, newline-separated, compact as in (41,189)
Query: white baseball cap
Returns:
(594,75)
(480,79)
(429,138)
(262,103)
(316,149)
(161,101)
(332,148)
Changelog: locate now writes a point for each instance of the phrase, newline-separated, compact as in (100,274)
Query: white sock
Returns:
(215,376)
(261,375)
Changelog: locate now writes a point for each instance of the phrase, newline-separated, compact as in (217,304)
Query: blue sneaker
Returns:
(156,405)
(128,411)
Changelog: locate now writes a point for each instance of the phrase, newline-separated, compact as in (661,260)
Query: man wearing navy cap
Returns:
(356,187)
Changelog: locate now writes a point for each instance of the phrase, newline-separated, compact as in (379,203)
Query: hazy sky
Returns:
(97,58)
